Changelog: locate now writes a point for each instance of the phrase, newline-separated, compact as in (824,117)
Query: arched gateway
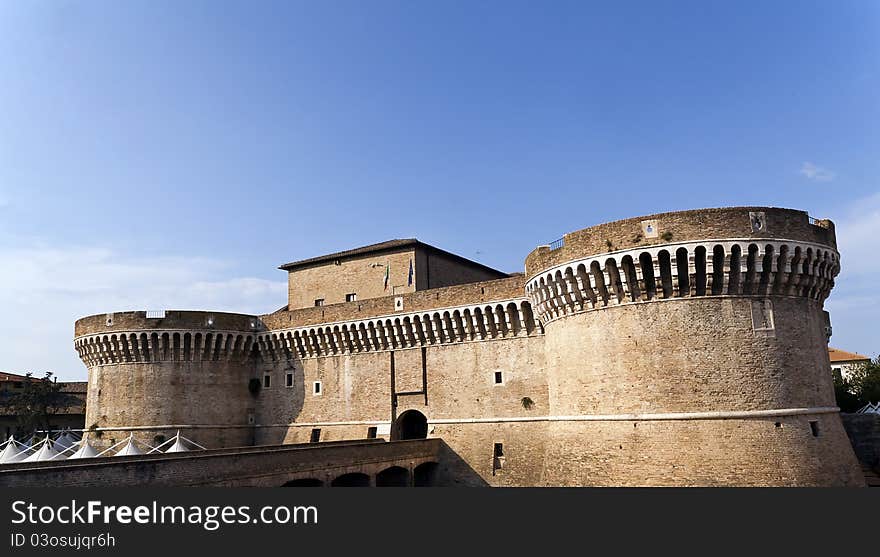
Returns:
(412,424)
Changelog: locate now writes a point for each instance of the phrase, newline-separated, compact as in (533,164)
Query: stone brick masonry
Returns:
(675,349)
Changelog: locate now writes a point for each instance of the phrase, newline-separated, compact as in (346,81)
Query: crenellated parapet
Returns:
(750,224)
(164,346)
(728,267)
(168,336)
(497,320)
(107,345)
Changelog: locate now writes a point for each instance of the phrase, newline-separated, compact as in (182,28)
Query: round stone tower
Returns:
(153,373)
(690,348)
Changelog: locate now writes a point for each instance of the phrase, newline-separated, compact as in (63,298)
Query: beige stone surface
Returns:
(701,371)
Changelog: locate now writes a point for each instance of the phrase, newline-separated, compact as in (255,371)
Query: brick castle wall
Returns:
(688,353)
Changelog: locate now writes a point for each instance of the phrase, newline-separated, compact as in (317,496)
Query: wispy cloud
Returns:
(817,173)
(44,289)
(854,303)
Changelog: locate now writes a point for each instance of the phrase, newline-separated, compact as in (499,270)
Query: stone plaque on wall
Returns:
(758,220)
(762,318)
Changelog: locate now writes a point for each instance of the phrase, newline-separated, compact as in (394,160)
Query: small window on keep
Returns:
(289,380)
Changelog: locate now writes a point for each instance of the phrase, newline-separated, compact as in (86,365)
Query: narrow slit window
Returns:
(289,380)
(316,436)
(316,388)
(498,450)
(814,428)
(499,378)
(267,381)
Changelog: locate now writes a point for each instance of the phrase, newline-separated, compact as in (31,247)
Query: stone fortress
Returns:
(684,348)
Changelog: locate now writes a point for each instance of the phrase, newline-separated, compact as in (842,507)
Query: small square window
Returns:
(351,297)
(319,302)
(289,380)
(316,388)
(267,381)
(371,432)
(316,436)
(499,378)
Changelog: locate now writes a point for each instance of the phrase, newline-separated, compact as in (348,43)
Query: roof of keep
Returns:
(381,247)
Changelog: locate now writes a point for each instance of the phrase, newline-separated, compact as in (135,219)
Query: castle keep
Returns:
(685,348)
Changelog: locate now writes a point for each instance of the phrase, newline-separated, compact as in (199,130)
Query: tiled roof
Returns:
(837,355)
(7,376)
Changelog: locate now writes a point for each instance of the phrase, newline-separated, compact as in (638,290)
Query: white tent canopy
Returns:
(65,440)
(126,447)
(179,444)
(130,448)
(177,447)
(13,451)
(85,450)
(45,451)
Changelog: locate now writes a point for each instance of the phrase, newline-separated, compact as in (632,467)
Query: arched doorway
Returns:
(425,474)
(393,477)
(304,482)
(412,424)
(355,479)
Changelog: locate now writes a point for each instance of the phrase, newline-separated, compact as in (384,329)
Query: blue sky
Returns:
(173,154)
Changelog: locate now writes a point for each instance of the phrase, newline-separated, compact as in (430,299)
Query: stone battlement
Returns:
(474,293)
(685,226)
(685,269)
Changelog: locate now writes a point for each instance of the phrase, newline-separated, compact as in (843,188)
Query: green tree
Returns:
(865,380)
(37,402)
(860,387)
(844,392)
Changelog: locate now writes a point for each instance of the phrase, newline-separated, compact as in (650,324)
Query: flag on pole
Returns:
(387,270)
(409,279)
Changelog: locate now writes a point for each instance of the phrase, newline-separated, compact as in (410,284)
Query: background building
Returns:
(844,362)
(70,416)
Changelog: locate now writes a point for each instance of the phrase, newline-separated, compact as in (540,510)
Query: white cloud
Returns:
(854,303)
(43,290)
(813,172)
(858,231)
